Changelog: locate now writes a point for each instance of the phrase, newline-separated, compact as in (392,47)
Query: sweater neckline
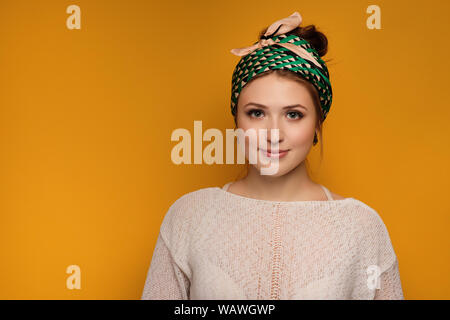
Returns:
(297,202)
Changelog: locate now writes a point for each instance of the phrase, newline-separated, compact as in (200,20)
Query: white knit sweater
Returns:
(214,244)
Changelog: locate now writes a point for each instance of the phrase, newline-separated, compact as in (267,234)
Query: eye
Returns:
(251,112)
(296,113)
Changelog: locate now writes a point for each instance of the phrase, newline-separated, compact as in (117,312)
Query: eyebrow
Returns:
(286,107)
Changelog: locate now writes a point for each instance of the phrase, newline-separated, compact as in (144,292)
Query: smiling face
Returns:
(273,102)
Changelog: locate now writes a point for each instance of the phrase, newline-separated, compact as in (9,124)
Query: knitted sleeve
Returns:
(165,280)
(390,284)
(376,250)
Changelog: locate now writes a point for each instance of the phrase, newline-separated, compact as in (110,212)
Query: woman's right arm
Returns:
(165,280)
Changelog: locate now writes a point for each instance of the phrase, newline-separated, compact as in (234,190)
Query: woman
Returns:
(280,235)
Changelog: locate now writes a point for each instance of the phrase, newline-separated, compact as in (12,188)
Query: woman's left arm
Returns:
(390,284)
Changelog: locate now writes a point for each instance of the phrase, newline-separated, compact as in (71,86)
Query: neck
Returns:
(295,185)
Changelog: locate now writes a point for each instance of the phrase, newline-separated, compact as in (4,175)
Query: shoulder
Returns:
(366,220)
(185,210)
(364,216)
(372,235)
(194,199)
(336,196)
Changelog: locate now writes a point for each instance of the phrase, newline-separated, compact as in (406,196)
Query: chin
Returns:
(282,170)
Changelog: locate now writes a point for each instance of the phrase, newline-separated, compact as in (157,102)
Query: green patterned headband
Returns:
(276,50)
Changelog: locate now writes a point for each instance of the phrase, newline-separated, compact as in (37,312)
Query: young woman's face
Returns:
(272,102)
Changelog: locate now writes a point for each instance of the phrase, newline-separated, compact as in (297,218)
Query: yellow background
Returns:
(87,115)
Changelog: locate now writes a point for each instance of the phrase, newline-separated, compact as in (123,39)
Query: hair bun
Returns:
(317,39)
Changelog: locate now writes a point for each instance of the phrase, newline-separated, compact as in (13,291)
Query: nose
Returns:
(272,139)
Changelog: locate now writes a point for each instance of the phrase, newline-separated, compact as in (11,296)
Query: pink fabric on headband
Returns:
(286,24)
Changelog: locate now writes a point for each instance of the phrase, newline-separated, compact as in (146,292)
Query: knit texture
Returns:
(213,244)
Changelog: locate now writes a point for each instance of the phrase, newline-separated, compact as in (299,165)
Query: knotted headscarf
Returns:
(276,50)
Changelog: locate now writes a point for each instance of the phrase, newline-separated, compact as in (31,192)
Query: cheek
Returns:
(299,136)
(244,122)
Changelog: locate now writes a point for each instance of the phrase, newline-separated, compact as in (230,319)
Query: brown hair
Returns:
(319,42)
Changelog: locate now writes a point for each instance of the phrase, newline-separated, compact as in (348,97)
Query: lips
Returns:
(280,154)
(279,151)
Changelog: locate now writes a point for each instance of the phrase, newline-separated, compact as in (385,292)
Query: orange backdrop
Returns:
(87,115)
